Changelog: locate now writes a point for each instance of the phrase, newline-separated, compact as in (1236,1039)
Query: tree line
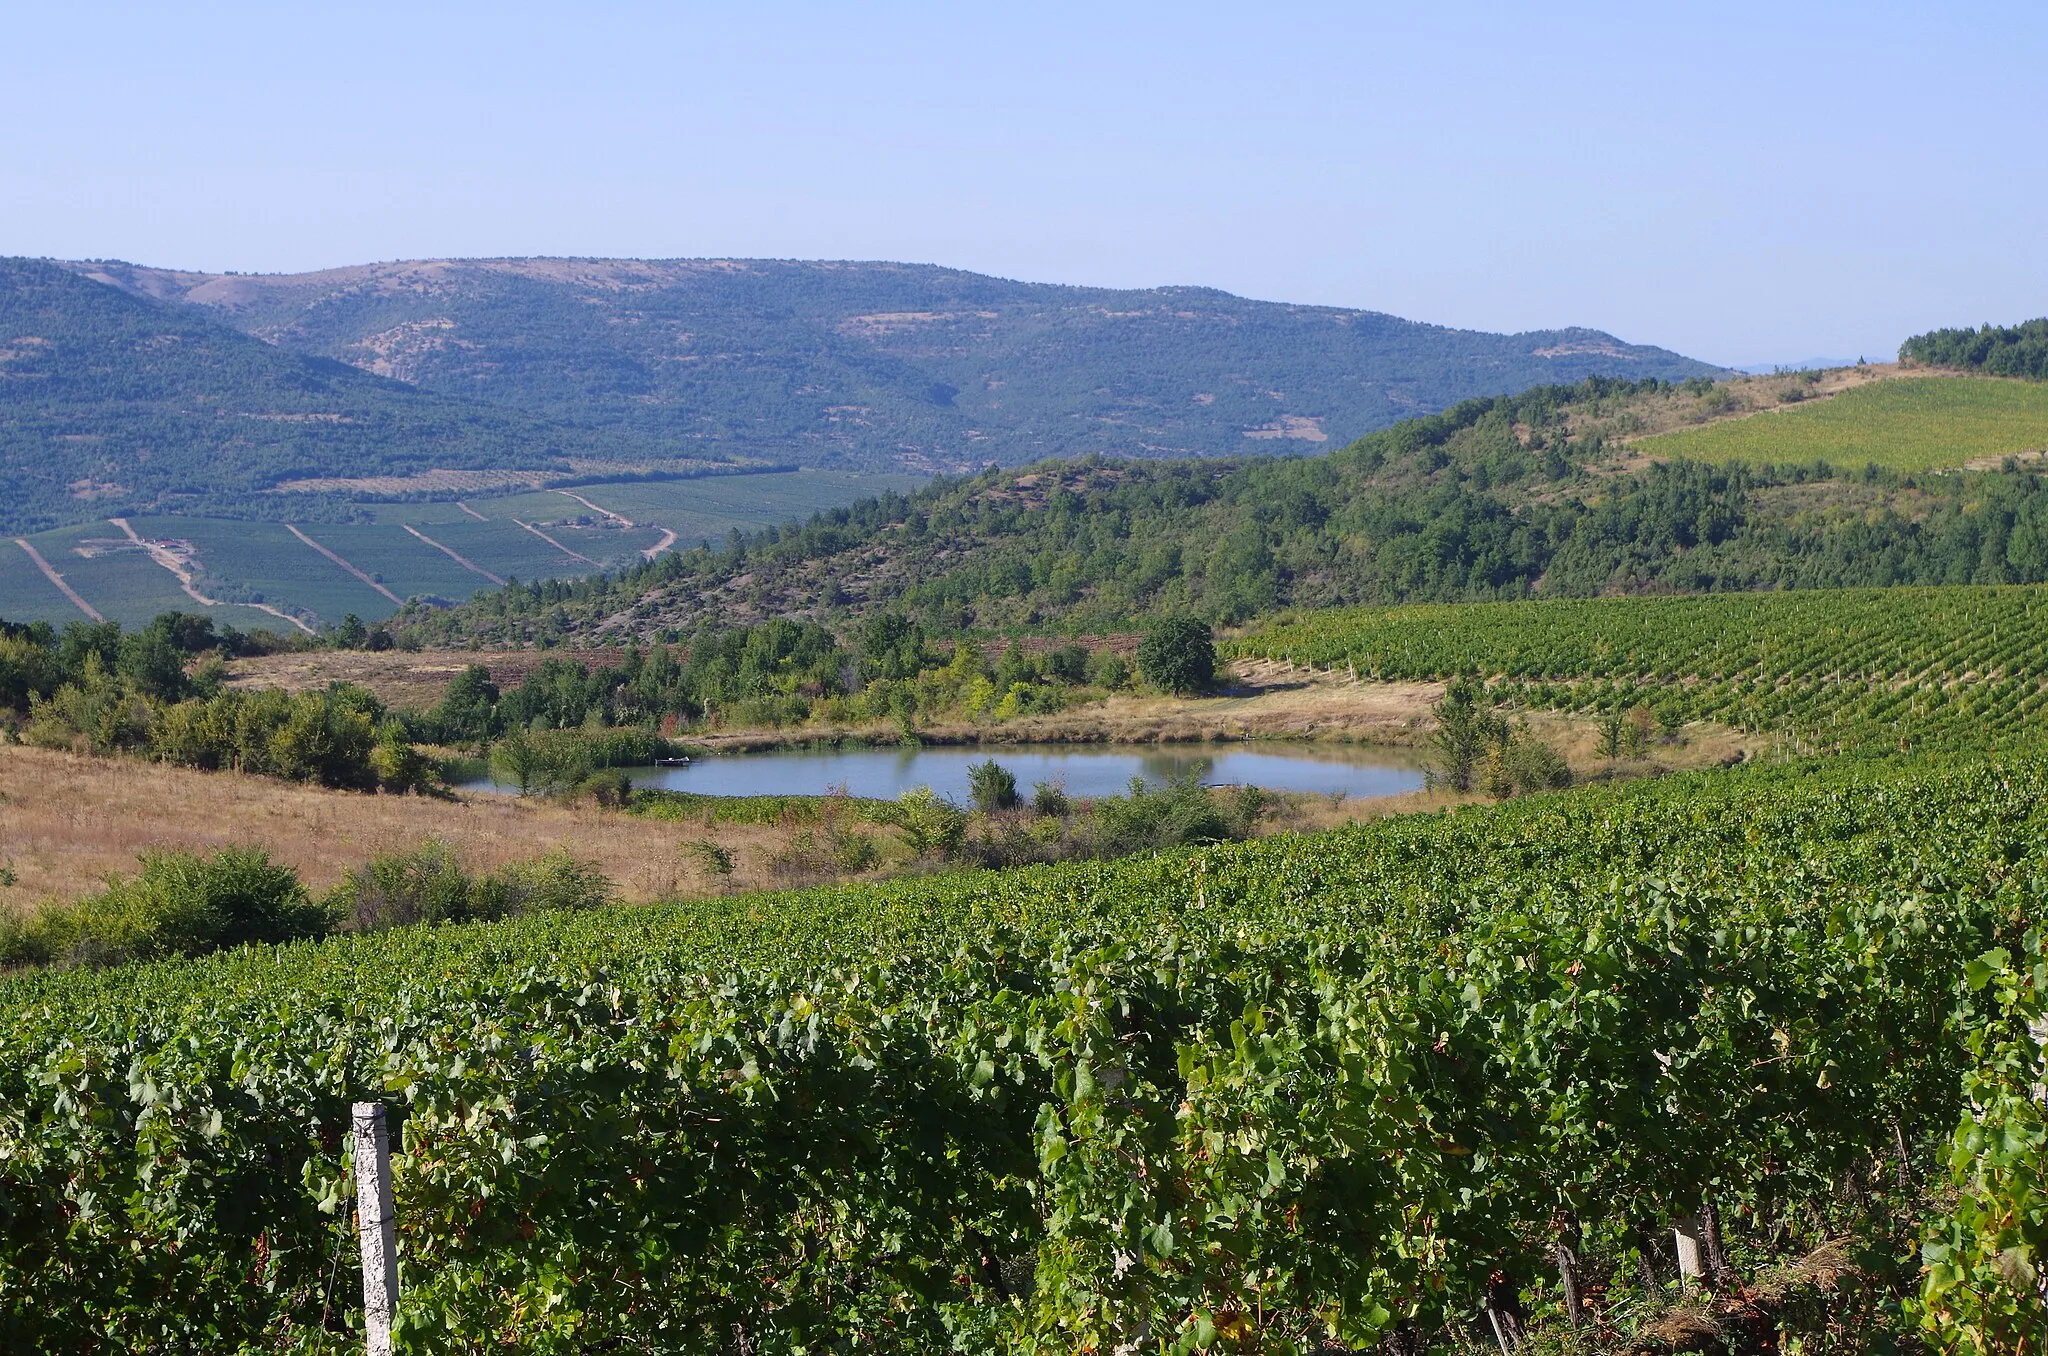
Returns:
(2000,350)
(161,691)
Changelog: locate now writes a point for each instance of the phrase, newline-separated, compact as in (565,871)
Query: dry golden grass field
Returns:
(66,820)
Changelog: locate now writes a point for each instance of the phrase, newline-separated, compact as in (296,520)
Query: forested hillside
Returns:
(1501,498)
(2001,350)
(871,366)
(112,403)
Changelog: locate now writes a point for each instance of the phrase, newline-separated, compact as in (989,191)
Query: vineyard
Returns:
(1261,1097)
(1831,669)
(1905,424)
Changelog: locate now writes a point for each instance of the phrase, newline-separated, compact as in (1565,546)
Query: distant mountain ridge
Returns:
(113,403)
(871,366)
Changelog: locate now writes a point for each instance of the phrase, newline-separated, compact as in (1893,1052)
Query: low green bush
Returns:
(1178,655)
(1147,819)
(178,904)
(992,786)
(555,761)
(1049,799)
(932,827)
(672,806)
(1522,763)
(431,885)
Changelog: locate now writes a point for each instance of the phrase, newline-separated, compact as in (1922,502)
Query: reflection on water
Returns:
(1081,770)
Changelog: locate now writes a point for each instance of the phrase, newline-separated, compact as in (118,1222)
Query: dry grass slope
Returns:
(67,820)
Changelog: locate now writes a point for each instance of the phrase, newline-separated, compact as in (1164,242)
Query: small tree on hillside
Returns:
(1178,655)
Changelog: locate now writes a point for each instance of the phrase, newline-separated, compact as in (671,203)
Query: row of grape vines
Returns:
(1987,1260)
(1257,1097)
(1835,668)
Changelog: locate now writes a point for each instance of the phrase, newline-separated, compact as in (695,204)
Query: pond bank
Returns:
(1262,701)
(1077,770)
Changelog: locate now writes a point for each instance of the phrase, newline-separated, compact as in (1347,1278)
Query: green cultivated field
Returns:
(710,507)
(1331,1084)
(398,560)
(25,595)
(1909,424)
(506,549)
(1848,667)
(613,545)
(123,584)
(274,566)
(420,514)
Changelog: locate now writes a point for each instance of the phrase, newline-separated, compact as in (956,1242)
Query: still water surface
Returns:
(1081,769)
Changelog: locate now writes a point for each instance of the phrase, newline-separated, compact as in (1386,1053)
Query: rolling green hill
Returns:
(888,366)
(1512,497)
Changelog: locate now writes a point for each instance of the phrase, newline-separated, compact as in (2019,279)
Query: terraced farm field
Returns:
(1909,424)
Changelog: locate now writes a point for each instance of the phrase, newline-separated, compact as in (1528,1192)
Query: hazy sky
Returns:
(1743,182)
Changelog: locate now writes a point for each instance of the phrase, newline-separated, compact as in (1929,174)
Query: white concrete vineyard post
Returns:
(1692,1251)
(377,1225)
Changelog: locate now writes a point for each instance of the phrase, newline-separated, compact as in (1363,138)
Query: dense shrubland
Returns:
(832,837)
(889,670)
(1254,1098)
(159,692)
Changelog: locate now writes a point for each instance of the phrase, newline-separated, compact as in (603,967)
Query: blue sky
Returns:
(1743,182)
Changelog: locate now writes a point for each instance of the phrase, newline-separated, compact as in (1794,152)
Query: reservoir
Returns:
(1081,770)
